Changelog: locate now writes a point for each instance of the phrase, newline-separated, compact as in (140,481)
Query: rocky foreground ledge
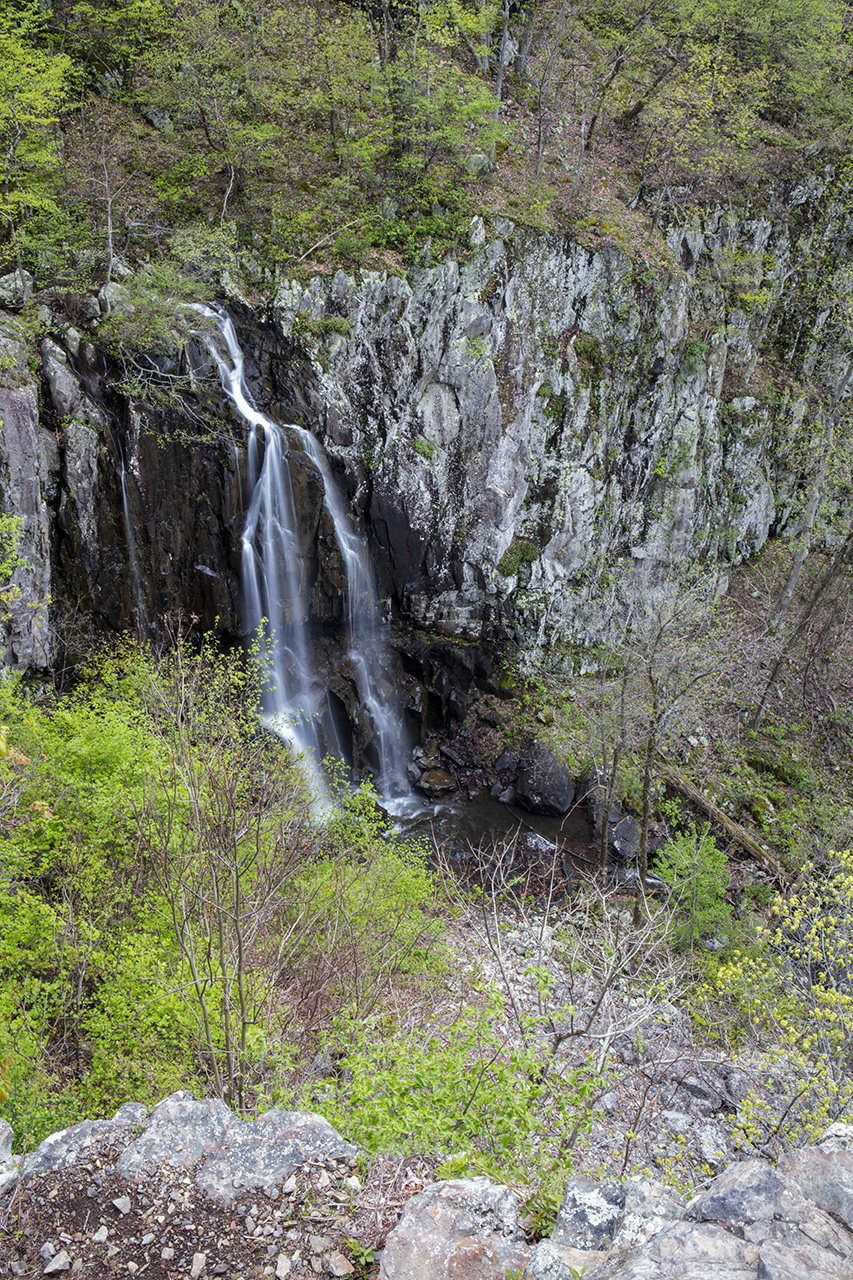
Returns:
(191,1190)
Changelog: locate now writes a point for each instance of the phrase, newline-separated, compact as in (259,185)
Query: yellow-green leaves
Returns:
(33,85)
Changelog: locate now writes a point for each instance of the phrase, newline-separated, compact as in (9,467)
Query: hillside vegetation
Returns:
(308,134)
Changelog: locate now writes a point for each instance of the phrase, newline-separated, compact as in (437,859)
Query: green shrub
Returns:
(462,1092)
(590,357)
(426,448)
(694,355)
(697,876)
(317,330)
(798,990)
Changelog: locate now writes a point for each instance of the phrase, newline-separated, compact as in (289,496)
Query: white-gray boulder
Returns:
(464,1229)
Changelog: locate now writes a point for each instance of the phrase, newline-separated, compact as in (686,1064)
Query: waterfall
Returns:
(275,588)
(133,560)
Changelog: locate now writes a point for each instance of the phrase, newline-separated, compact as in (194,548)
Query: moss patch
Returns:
(518,552)
(590,358)
(323,328)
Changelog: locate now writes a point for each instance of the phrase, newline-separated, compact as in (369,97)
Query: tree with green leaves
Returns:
(34,82)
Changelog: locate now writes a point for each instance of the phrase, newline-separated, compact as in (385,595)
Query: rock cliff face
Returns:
(533,434)
(529,437)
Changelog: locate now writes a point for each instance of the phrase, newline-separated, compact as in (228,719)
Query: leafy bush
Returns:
(697,875)
(482,1103)
(322,328)
(799,989)
(168,915)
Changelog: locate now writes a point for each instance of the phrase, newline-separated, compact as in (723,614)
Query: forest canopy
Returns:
(349,130)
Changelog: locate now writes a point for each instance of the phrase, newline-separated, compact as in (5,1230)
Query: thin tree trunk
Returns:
(523,55)
(842,557)
(500,84)
(646,803)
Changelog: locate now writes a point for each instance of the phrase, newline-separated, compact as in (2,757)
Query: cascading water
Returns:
(274,583)
(141,621)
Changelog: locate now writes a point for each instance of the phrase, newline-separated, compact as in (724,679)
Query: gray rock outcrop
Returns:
(529,437)
(264,1153)
(533,433)
(226,1155)
(8,1166)
(464,1229)
(28,471)
(755,1223)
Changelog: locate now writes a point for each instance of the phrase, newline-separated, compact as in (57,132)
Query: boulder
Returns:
(464,1229)
(436,782)
(544,784)
(71,1146)
(826,1177)
(625,838)
(180,1132)
(65,392)
(263,1154)
(838,1137)
(685,1251)
(590,1214)
(649,1207)
(16,289)
(8,1165)
(551,1260)
(507,761)
(6,1135)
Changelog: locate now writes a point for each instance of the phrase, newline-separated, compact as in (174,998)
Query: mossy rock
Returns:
(519,551)
(762,810)
(783,768)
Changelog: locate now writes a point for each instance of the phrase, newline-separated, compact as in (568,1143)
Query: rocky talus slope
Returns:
(190,1190)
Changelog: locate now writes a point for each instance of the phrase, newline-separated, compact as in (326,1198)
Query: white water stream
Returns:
(276,590)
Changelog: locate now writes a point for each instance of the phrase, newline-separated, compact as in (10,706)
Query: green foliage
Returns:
(798,989)
(590,357)
(88,1018)
(693,355)
(482,1104)
(697,876)
(146,312)
(33,84)
(368,906)
(316,330)
(425,448)
(159,879)
(11,529)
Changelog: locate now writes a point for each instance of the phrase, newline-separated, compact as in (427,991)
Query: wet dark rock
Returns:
(457,706)
(544,784)
(625,838)
(436,782)
(507,762)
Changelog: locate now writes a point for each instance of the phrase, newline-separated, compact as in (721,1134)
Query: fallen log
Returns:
(732,829)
